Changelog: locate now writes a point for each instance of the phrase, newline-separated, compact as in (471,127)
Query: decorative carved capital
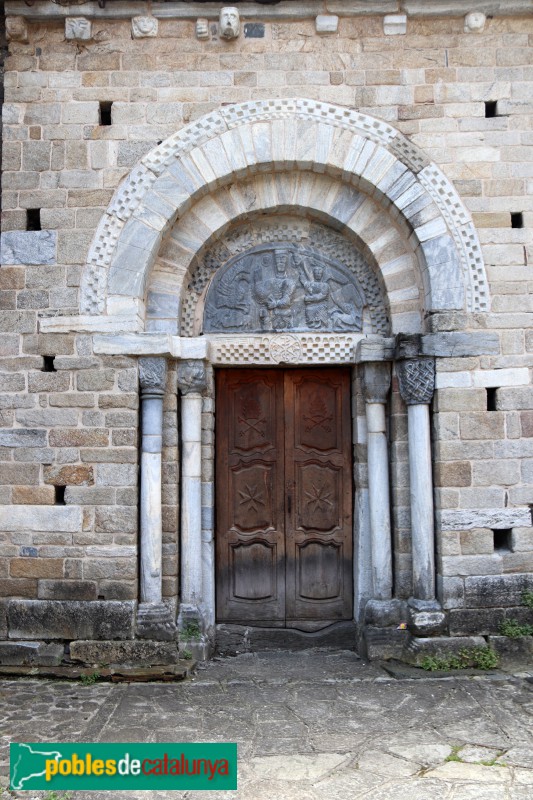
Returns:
(376,381)
(152,375)
(417,380)
(192,377)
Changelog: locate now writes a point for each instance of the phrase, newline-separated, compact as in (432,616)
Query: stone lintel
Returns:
(287,9)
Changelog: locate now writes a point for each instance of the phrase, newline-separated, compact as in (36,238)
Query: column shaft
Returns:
(421,482)
(379,501)
(191,499)
(152,376)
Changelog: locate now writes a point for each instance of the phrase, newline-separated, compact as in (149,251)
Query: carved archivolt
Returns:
(286,135)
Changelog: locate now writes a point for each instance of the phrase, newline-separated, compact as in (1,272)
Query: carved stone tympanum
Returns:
(283,287)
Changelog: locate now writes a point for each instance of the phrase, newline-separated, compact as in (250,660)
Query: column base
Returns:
(426,617)
(385,632)
(194,639)
(155,621)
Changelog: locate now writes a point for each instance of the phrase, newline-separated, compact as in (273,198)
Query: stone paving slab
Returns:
(309,726)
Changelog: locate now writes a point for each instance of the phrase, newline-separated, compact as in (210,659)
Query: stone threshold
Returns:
(114,674)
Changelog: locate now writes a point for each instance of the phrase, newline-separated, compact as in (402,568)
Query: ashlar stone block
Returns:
(63,619)
(28,247)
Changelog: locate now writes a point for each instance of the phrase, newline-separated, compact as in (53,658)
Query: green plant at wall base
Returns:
(514,630)
(468,658)
(57,796)
(88,680)
(192,631)
(527,598)
(187,655)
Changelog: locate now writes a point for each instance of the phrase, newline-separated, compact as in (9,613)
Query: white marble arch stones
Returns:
(240,140)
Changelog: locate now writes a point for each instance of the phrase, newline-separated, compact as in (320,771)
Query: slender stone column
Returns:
(376,384)
(191,382)
(152,379)
(417,384)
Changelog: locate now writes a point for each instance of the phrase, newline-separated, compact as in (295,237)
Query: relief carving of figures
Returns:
(283,287)
(274,294)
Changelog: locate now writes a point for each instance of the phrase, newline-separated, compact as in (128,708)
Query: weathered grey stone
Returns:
(67,590)
(385,643)
(427,623)
(31,653)
(383,613)
(452,520)
(496,590)
(459,344)
(59,619)
(419,647)
(22,437)
(29,247)
(40,518)
(379,349)
(125,652)
(521,648)
(155,621)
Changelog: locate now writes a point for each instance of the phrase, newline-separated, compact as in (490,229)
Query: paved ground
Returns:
(310,726)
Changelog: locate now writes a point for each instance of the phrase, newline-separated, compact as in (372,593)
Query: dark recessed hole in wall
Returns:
(33,219)
(60,495)
(517,219)
(491,108)
(159,142)
(105,112)
(491,398)
(48,364)
(502,539)
(101,597)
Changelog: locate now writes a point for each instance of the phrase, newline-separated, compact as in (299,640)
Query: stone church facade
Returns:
(266,310)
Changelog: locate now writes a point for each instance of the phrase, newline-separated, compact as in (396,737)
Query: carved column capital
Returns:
(376,381)
(416,377)
(152,375)
(192,377)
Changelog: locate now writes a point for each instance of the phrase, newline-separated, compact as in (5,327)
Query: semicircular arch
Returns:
(239,141)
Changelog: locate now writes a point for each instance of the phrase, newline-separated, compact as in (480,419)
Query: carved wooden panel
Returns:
(250,543)
(284,497)
(318,475)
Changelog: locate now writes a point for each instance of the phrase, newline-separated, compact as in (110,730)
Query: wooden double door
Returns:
(284,497)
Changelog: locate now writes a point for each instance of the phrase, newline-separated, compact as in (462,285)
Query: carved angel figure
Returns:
(348,316)
(231,301)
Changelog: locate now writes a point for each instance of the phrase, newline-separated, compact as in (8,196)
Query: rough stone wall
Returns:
(77,426)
